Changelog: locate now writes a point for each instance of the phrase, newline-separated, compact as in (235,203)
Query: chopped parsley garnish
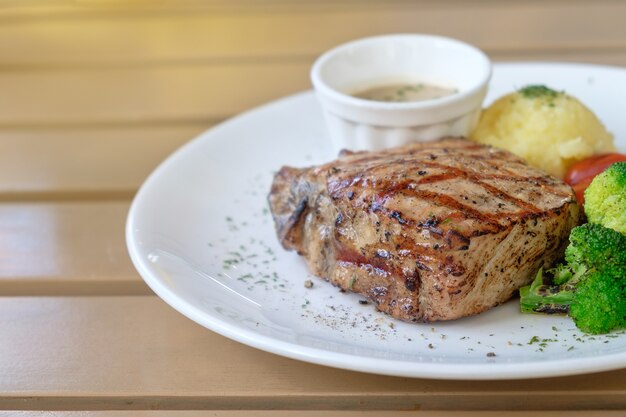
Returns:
(538,91)
(352,281)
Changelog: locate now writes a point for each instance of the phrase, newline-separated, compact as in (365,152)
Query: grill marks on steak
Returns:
(427,231)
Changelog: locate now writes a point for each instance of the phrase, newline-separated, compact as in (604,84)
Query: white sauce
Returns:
(404,92)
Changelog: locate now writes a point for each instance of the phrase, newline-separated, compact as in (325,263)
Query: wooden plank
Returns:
(316,413)
(66,249)
(597,56)
(195,94)
(132,95)
(85,162)
(96,33)
(111,353)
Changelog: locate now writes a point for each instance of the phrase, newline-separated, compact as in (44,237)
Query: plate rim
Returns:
(432,370)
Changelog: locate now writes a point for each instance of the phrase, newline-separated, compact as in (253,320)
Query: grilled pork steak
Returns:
(428,231)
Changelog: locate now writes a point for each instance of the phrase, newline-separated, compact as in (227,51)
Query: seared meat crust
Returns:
(428,231)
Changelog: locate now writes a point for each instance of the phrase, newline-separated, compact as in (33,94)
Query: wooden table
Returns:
(95,94)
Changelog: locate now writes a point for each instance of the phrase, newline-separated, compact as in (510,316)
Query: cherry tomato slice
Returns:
(579,190)
(583,172)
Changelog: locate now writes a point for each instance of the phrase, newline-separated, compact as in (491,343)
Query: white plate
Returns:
(200,235)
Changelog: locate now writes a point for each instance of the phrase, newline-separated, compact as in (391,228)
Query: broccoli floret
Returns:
(594,247)
(591,286)
(598,305)
(605,198)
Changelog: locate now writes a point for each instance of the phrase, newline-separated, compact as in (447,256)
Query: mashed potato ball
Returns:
(549,129)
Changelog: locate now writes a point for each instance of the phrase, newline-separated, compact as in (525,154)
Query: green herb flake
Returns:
(538,91)
(245,277)
(229,263)
(352,281)
(533,340)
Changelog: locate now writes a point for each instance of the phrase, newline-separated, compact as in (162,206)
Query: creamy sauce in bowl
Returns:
(404,92)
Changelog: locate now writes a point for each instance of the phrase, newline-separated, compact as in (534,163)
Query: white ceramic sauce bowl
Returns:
(360,124)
